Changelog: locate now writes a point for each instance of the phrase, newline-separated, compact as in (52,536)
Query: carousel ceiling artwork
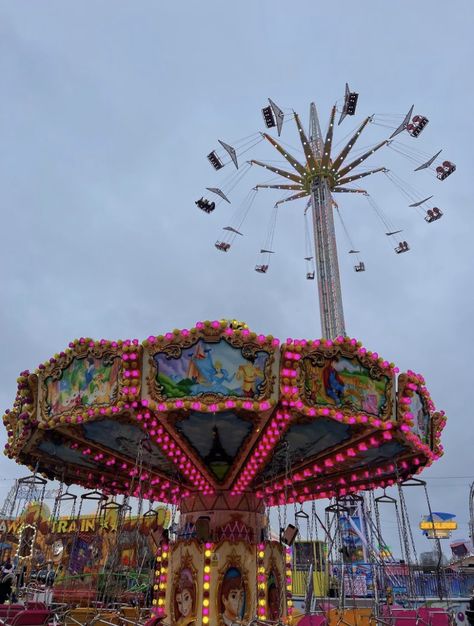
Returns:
(222,409)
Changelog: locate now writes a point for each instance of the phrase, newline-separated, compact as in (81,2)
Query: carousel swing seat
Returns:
(402,617)
(433,616)
(361,616)
(105,618)
(130,616)
(80,616)
(28,617)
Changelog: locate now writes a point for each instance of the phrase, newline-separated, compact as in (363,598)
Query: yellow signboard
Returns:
(451,525)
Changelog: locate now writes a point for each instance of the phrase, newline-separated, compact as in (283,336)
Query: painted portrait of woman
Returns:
(184,599)
(232,598)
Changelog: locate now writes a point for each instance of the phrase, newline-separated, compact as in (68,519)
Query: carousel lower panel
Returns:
(222,584)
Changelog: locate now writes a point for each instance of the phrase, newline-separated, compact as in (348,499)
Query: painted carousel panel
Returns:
(346,383)
(84,382)
(211,368)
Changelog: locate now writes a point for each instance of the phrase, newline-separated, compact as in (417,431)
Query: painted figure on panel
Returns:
(273,595)
(344,382)
(185,599)
(333,383)
(84,382)
(217,368)
(421,418)
(249,374)
(232,598)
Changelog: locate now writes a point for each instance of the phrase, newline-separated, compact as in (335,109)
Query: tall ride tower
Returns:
(329,283)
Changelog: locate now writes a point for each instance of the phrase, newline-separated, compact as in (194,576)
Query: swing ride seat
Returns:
(73,596)
(215,161)
(268,117)
(310,276)
(433,214)
(205,205)
(361,616)
(418,123)
(129,615)
(80,616)
(360,267)
(402,617)
(433,616)
(222,245)
(133,615)
(402,247)
(261,269)
(445,170)
(105,618)
(8,608)
(350,103)
(27,617)
(8,612)
(312,620)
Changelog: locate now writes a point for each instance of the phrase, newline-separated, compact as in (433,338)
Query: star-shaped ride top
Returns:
(320,163)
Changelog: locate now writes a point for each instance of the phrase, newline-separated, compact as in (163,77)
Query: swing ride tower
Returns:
(329,283)
(324,172)
(321,175)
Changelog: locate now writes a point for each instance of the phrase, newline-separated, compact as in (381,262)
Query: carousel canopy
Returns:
(218,408)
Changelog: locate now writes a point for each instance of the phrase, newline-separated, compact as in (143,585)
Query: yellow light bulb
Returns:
(207,553)
(205,620)
(207,569)
(205,602)
(206,585)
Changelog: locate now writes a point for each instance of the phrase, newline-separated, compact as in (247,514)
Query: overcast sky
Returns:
(107,112)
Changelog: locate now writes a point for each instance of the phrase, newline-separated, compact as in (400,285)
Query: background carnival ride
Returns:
(74,549)
(316,172)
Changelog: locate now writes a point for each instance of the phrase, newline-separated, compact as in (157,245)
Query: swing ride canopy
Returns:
(220,409)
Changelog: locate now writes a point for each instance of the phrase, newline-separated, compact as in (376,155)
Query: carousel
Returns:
(222,424)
